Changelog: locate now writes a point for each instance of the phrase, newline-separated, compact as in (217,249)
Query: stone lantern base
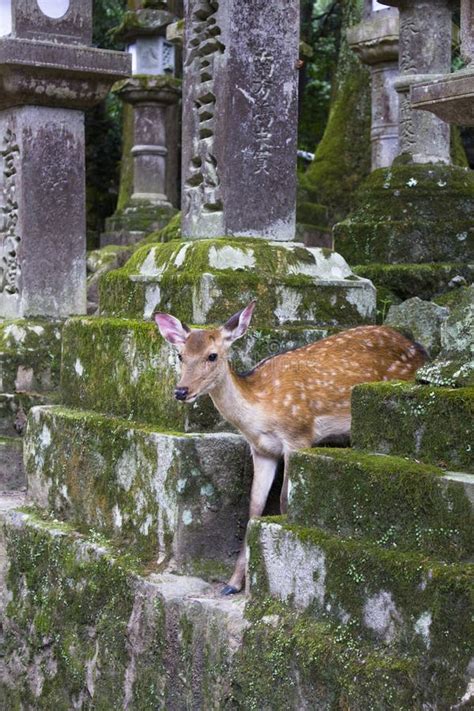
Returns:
(411,214)
(135,222)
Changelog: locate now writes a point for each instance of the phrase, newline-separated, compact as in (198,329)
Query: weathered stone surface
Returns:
(412,214)
(82,627)
(421,320)
(455,364)
(203,281)
(30,352)
(427,423)
(160,495)
(12,473)
(239,118)
(395,503)
(404,601)
(142,370)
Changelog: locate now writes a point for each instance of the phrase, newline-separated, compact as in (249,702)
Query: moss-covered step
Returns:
(124,367)
(407,602)
(429,423)
(396,503)
(206,281)
(162,495)
(84,629)
(82,623)
(12,473)
(411,214)
(30,352)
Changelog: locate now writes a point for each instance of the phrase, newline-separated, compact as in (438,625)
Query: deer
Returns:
(292,400)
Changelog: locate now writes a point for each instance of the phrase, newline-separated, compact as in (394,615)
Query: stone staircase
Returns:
(137,507)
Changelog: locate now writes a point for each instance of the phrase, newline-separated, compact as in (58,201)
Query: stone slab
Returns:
(407,602)
(205,281)
(101,633)
(83,624)
(161,495)
(451,98)
(395,503)
(428,423)
(240,118)
(30,352)
(12,473)
(142,370)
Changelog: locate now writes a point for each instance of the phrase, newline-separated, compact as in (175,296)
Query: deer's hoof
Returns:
(229,590)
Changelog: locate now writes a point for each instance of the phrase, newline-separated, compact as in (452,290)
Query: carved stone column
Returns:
(48,76)
(425,49)
(451,97)
(375,41)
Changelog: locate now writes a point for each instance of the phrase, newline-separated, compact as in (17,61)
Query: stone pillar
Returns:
(148,186)
(239,118)
(375,41)
(425,49)
(451,97)
(48,76)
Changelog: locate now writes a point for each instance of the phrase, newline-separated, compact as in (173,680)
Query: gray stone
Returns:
(12,473)
(422,320)
(239,118)
(425,48)
(451,97)
(48,76)
(375,41)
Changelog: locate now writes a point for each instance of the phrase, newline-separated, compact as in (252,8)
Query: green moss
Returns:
(410,213)
(377,595)
(171,231)
(30,345)
(189,277)
(389,500)
(408,280)
(289,660)
(342,158)
(425,422)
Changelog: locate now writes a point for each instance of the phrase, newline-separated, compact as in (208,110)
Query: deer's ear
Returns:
(172,329)
(237,325)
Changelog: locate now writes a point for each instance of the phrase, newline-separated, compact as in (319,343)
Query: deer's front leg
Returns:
(264,469)
(284,488)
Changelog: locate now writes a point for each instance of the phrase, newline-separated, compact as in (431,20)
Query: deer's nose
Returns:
(181,393)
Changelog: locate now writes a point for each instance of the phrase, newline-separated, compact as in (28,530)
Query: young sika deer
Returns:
(292,400)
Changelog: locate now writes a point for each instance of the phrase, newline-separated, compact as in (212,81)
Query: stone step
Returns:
(429,423)
(206,281)
(393,502)
(407,602)
(141,370)
(12,472)
(30,352)
(14,408)
(163,496)
(83,627)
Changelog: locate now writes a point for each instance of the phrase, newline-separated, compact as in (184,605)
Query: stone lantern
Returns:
(49,74)
(421,208)
(375,41)
(148,187)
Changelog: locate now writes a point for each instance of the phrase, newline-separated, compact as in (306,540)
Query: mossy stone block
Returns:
(30,351)
(429,423)
(409,280)
(407,602)
(12,473)
(84,623)
(157,494)
(205,281)
(395,503)
(124,367)
(411,214)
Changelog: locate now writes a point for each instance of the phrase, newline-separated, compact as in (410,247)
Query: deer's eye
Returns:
(212,357)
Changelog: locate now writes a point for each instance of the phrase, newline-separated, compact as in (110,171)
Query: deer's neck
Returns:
(230,398)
